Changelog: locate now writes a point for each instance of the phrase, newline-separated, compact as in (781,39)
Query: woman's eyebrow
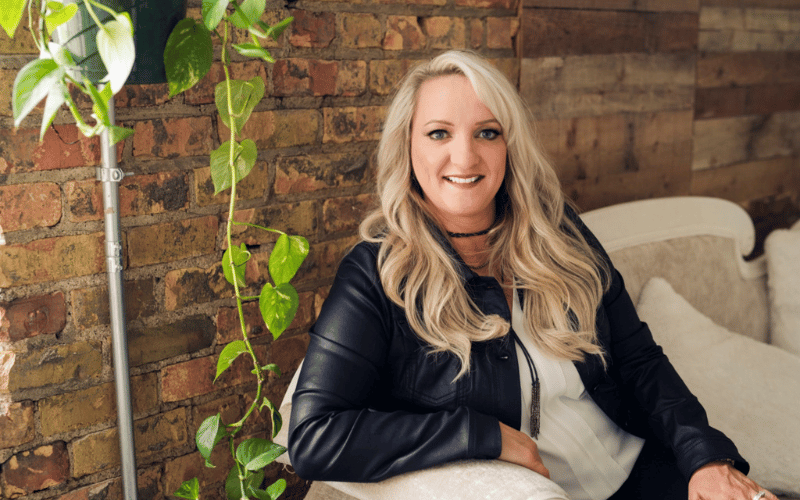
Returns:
(445,122)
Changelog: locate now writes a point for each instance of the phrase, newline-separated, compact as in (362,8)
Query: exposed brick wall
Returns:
(316,132)
(637,99)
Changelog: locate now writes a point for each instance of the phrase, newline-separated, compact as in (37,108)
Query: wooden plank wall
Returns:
(638,99)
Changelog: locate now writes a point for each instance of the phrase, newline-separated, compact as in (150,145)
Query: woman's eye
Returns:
(437,134)
(489,134)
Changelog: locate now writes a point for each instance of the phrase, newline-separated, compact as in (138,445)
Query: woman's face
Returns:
(458,153)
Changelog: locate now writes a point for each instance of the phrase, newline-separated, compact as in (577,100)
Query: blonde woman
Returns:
(479,318)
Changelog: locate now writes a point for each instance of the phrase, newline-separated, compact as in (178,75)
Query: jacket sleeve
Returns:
(334,434)
(675,416)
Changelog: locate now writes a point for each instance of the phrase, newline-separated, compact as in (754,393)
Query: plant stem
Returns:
(88,4)
(259,227)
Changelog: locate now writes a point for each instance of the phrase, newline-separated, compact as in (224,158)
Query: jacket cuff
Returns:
(485,441)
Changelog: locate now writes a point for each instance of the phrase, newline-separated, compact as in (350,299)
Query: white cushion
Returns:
(750,390)
(782,250)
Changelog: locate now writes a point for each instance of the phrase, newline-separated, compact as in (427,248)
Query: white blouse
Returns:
(586,453)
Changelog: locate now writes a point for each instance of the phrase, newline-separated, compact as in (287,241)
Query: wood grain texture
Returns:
(593,147)
(564,87)
(761,4)
(728,29)
(558,32)
(747,68)
(749,181)
(638,5)
(619,188)
(763,99)
(726,141)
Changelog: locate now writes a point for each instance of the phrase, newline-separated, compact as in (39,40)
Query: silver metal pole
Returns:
(110,175)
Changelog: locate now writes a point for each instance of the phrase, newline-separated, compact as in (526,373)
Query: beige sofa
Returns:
(696,245)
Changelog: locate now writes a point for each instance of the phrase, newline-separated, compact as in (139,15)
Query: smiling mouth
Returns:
(464,180)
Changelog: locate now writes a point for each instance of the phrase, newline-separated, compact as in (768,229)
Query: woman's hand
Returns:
(520,449)
(720,481)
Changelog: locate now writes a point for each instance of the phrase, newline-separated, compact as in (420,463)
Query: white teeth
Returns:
(459,180)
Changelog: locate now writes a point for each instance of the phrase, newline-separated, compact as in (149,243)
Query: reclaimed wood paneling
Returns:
(619,188)
(763,99)
(761,4)
(597,146)
(727,141)
(747,68)
(724,29)
(744,182)
(640,5)
(558,32)
(562,87)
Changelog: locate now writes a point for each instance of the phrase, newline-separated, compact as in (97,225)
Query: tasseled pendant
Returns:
(535,417)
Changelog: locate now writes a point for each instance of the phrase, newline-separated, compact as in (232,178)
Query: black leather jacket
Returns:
(371,403)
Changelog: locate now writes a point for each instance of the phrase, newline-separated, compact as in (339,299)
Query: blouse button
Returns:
(503,357)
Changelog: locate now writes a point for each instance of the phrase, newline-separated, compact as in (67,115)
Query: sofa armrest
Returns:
(453,481)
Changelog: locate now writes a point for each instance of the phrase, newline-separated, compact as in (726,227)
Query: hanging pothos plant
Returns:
(188,58)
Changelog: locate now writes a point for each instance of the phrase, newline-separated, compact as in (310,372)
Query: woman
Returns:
(479,318)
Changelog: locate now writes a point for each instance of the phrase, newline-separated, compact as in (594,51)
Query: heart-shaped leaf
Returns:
(32,84)
(11,14)
(229,355)
(275,415)
(237,489)
(55,98)
(189,489)
(116,49)
(277,488)
(286,258)
(210,433)
(240,257)
(58,14)
(278,305)
(244,158)
(188,55)
(247,13)
(244,97)
(213,11)
(257,453)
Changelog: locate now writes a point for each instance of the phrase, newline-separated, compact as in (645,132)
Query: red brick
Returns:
(345,214)
(148,482)
(36,470)
(7,77)
(134,96)
(31,316)
(475,33)
(384,74)
(490,4)
(185,287)
(22,42)
(351,80)
(156,343)
(304,77)
(228,325)
(25,206)
(445,32)
(360,31)
(324,259)
(288,352)
(501,31)
(312,29)
(403,33)
(90,305)
(190,466)
(16,420)
(52,259)
(203,92)
(302,174)
(63,147)
(45,366)
(279,129)
(353,124)
(252,187)
(172,241)
(173,137)
(293,218)
(196,377)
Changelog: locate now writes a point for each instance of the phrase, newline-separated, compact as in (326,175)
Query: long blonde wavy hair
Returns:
(561,276)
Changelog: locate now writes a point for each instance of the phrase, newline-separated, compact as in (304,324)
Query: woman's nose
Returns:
(462,152)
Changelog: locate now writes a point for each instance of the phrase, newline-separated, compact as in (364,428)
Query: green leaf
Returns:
(244,97)
(286,258)
(58,14)
(189,489)
(32,84)
(278,29)
(248,12)
(116,49)
(272,367)
(252,50)
(257,453)
(213,12)
(237,489)
(119,133)
(55,98)
(11,14)
(99,103)
(277,488)
(229,355)
(278,306)
(240,258)
(188,55)
(259,494)
(210,433)
(244,159)
(275,416)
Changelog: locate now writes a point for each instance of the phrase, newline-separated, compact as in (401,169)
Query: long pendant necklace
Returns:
(535,421)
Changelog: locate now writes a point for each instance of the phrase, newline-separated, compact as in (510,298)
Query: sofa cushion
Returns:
(782,249)
(749,389)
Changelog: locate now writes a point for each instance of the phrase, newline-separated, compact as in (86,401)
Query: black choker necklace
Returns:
(467,235)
